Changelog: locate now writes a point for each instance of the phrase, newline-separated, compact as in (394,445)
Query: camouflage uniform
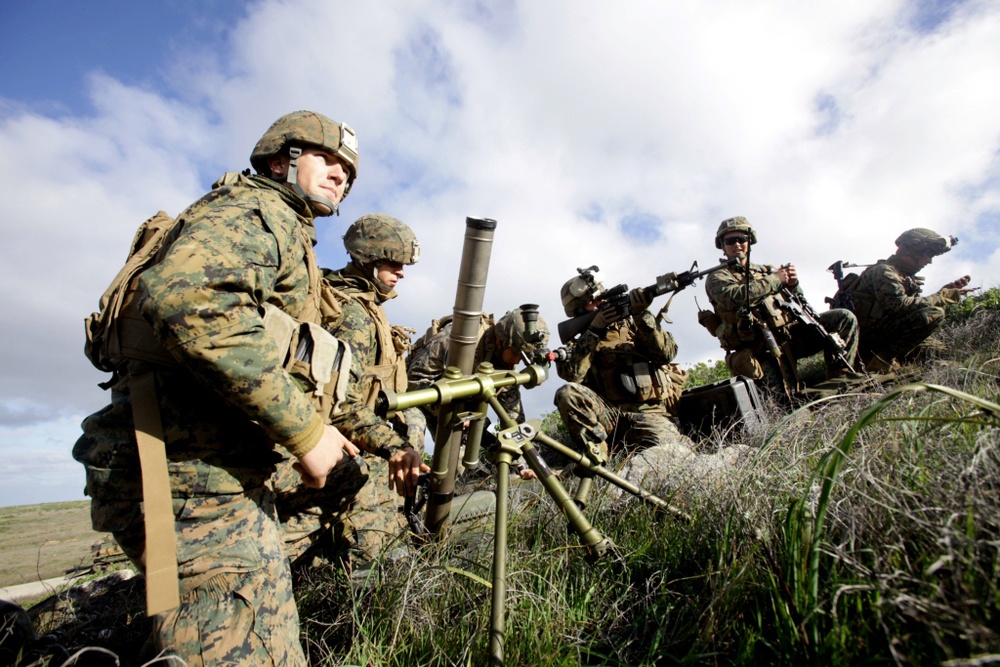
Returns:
(748,352)
(893,316)
(727,292)
(619,384)
(222,407)
(364,516)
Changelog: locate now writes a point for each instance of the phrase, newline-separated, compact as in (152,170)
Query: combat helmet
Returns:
(307,128)
(510,332)
(735,224)
(580,290)
(924,242)
(376,237)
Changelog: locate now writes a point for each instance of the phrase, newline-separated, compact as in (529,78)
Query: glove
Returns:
(638,300)
(607,315)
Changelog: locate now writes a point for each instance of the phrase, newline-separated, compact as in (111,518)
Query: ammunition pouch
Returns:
(318,361)
(627,381)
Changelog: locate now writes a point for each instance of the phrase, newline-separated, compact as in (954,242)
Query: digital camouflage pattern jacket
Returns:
(886,290)
(229,399)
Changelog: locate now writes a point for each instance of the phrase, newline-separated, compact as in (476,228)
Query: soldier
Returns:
(379,247)
(762,339)
(895,319)
(503,344)
(241,258)
(621,387)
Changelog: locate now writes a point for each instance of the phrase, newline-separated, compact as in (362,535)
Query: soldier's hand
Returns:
(788,275)
(405,466)
(959,284)
(639,300)
(317,463)
(607,314)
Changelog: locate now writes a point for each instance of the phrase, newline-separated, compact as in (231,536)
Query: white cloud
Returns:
(594,133)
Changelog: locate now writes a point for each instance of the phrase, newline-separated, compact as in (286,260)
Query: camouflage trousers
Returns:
(354,516)
(236,602)
(590,418)
(899,335)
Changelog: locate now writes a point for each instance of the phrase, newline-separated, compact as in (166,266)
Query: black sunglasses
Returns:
(733,240)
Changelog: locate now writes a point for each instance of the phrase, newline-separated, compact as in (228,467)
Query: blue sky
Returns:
(616,134)
(52,46)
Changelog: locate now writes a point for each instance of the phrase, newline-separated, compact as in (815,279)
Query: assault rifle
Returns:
(667,283)
(800,310)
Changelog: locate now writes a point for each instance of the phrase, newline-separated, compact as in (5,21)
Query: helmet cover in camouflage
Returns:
(510,332)
(580,290)
(735,224)
(376,237)
(307,128)
(924,242)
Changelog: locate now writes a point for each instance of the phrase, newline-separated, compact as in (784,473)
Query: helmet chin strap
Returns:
(292,178)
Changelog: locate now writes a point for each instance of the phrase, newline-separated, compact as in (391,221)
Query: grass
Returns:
(40,542)
(863,529)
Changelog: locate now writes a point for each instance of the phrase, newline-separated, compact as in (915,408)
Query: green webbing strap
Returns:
(160,554)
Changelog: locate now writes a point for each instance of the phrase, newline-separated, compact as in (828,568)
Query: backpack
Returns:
(118,319)
(485,322)
(844,297)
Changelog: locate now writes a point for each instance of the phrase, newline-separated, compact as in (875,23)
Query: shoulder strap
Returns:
(160,554)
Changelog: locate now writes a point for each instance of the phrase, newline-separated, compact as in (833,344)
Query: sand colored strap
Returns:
(161,543)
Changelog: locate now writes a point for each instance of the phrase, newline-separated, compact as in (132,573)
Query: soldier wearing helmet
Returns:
(896,321)
(621,387)
(379,246)
(303,150)
(502,343)
(762,341)
(237,261)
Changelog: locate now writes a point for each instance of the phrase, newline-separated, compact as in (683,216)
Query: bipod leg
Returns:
(499,593)
(598,454)
(516,440)
(583,491)
(602,472)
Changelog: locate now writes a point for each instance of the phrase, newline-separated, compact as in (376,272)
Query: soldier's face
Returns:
(320,173)
(389,273)
(736,243)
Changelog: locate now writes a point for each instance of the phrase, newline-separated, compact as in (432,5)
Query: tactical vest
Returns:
(735,333)
(392,343)
(626,378)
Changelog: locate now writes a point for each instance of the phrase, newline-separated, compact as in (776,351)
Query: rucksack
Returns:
(485,322)
(844,297)
(118,319)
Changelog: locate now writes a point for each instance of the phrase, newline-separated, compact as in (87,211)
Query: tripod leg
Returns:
(589,536)
(498,601)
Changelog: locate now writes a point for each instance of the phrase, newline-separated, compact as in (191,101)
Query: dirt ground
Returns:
(44,541)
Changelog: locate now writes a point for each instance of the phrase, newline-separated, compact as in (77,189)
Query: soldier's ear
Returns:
(278,165)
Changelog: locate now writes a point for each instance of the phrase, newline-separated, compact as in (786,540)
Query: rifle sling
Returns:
(160,553)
